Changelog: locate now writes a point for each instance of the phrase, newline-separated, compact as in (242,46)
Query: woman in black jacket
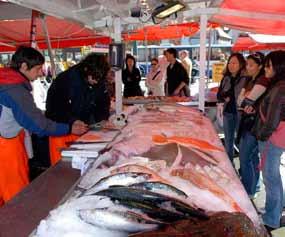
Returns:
(229,89)
(131,78)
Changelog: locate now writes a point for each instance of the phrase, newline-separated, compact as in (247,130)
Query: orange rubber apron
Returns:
(56,144)
(14,168)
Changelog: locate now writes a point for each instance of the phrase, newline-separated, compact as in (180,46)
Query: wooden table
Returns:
(20,216)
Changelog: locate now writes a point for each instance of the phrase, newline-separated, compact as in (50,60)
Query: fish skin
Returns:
(195,156)
(168,152)
(158,186)
(125,178)
(186,141)
(118,220)
(154,199)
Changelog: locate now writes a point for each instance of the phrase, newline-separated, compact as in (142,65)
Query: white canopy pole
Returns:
(118,73)
(50,53)
(203,31)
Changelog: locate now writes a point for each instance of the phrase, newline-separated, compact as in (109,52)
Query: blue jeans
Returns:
(230,124)
(249,161)
(273,183)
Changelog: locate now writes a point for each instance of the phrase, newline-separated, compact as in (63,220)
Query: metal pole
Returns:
(118,73)
(146,52)
(50,53)
(33,32)
(209,57)
(203,31)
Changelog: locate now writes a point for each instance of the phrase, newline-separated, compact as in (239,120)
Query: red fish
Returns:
(186,141)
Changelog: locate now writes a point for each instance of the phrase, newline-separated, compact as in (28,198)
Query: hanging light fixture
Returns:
(170,8)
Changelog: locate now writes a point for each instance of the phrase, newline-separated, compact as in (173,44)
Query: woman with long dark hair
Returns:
(229,90)
(248,146)
(131,78)
(269,129)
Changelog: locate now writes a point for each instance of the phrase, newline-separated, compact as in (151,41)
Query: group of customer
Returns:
(251,100)
(168,75)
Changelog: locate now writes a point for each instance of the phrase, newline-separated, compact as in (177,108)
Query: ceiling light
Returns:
(167,10)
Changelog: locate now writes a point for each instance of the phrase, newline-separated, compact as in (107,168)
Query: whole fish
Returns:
(126,178)
(186,141)
(151,198)
(157,213)
(159,187)
(125,221)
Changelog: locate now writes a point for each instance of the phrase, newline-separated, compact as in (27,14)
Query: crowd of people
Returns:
(168,75)
(251,100)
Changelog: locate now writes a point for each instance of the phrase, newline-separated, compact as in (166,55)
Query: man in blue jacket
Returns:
(18,112)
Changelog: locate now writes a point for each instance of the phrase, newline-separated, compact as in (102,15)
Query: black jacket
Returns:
(131,82)
(230,87)
(271,111)
(70,98)
(175,75)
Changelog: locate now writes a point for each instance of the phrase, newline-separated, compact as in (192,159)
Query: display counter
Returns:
(167,168)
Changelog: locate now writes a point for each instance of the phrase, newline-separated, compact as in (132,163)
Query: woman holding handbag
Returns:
(154,79)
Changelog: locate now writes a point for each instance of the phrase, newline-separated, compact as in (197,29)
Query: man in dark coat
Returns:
(177,77)
(79,92)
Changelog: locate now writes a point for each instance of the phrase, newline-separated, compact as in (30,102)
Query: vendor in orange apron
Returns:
(56,144)
(18,112)
(14,170)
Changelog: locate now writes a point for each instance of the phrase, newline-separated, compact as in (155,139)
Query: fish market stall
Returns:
(166,172)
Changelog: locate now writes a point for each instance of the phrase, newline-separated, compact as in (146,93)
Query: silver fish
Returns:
(125,221)
(123,179)
(159,187)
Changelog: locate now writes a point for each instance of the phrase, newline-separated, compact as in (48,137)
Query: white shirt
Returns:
(155,82)
(40,88)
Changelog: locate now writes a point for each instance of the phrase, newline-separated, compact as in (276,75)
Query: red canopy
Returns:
(259,16)
(157,32)
(62,34)
(246,43)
